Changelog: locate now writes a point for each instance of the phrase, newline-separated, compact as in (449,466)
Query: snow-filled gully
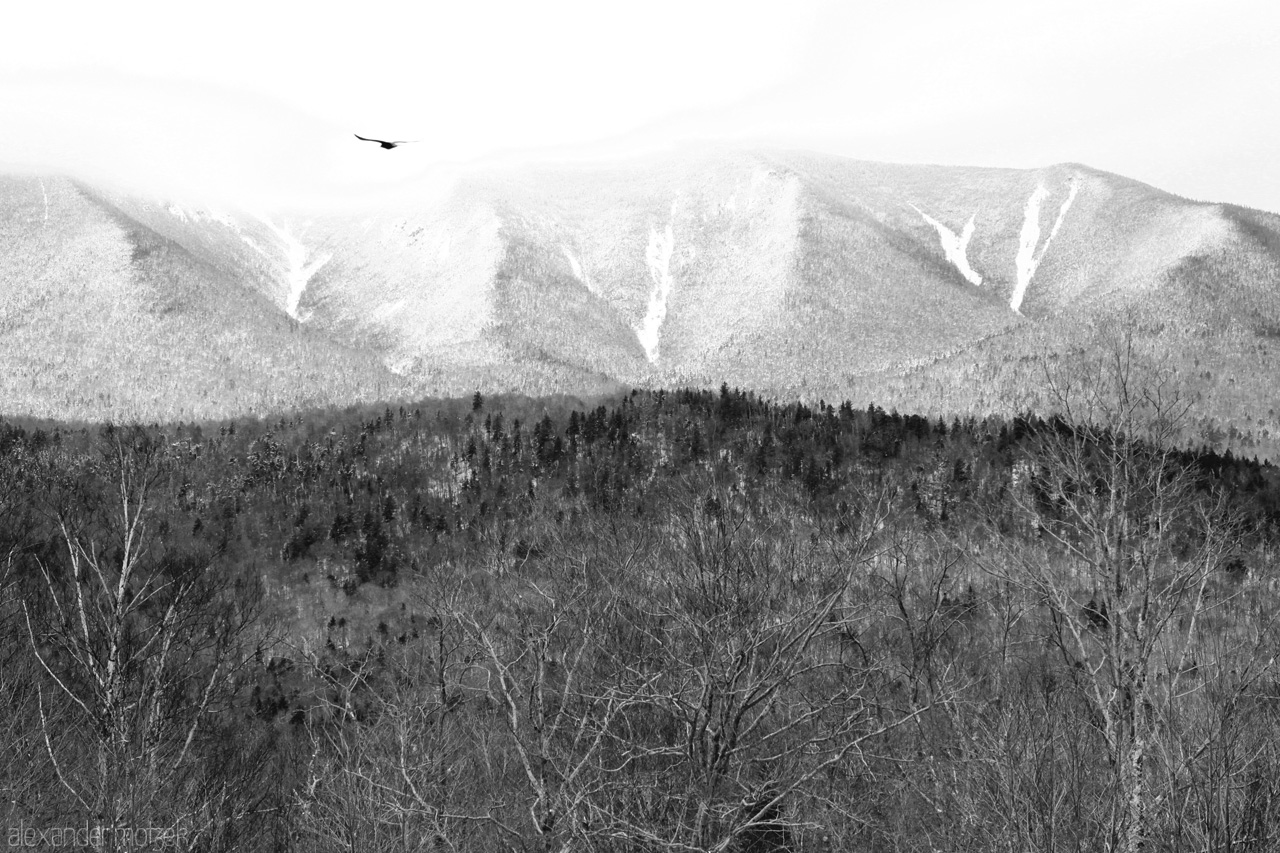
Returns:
(1028,260)
(658,257)
(578,271)
(955,247)
(299,272)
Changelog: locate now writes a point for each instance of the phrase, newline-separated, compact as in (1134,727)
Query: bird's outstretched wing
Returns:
(388,144)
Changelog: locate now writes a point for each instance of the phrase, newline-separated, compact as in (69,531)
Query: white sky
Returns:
(258,100)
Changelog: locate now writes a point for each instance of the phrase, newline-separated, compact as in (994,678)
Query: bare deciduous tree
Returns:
(138,649)
(559,698)
(1128,571)
(753,725)
(399,759)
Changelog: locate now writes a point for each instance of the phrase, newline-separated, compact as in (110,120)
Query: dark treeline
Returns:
(679,620)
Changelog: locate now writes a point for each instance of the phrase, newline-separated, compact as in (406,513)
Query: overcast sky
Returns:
(258,100)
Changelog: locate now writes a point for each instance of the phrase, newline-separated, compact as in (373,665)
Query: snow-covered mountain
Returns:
(786,272)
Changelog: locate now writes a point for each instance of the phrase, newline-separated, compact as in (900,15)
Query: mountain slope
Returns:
(104,317)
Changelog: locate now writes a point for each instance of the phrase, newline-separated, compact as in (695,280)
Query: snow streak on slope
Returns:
(299,272)
(955,248)
(387,310)
(1062,213)
(46,201)
(658,257)
(577,270)
(1028,260)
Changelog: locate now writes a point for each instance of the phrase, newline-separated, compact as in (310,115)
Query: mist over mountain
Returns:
(932,289)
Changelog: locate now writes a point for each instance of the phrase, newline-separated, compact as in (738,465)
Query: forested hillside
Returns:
(671,620)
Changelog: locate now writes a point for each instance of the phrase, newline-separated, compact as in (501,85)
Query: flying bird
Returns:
(385,143)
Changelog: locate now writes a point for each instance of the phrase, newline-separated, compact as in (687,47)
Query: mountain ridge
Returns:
(791,273)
